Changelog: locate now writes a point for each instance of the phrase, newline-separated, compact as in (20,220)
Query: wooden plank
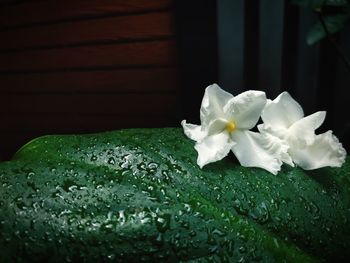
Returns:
(130,54)
(61,10)
(121,81)
(59,123)
(12,2)
(124,28)
(121,104)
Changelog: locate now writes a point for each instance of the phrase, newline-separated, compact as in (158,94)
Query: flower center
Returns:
(230,126)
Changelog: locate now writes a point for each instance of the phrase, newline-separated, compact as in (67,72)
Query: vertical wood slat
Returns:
(328,70)
(290,55)
(341,122)
(251,44)
(231,44)
(196,33)
(270,46)
(307,82)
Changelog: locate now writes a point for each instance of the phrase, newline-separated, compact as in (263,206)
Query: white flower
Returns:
(284,119)
(225,125)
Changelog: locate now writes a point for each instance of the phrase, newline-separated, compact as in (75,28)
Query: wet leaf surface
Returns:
(138,196)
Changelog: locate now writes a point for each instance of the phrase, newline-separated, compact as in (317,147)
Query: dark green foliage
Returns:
(138,195)
(335,14)
(334,24)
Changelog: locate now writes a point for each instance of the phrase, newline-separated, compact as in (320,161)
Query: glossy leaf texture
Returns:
(138,196)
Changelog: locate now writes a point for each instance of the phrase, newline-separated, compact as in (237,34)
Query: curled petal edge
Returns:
(192,131)
(326,150)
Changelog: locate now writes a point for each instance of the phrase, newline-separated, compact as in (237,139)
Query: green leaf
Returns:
(138,195)
(334,23)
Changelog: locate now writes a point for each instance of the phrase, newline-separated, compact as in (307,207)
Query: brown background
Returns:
(85,66)
(82,66)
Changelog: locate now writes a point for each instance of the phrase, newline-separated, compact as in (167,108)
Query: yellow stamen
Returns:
(230,126)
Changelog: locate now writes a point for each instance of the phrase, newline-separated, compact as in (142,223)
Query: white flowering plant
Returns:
(285,136)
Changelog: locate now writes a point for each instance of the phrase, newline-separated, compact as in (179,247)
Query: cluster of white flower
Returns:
(284,136)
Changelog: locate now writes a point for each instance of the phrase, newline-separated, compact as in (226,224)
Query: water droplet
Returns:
(30,175)
(69,185)
(111,256)
(260,213)
(111,161)
(192,233)
(163,222)
(242,249)
(152,165)
(240,207)
(218,232)
(159,239)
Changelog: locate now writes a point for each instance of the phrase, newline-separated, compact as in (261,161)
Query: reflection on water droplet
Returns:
(152,165)
(111,256)
(163,222)
(30,175)
(93,158)
(159,239)
(69,185)
(260,213)
(111,161)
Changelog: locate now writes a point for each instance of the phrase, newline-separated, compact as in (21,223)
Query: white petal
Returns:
(213,148)
(213,104)
(277,132)
(193,131)
(282,112)
(245,109)
(275,137)
(326,150)
(254,150)
(279,147)
(302,132)
(217,126)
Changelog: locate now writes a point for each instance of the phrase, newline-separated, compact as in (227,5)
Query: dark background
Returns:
(94,65)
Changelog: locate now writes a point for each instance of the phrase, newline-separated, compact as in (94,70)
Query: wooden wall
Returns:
(85,66)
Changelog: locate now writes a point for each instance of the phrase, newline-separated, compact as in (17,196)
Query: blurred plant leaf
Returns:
(334,23)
